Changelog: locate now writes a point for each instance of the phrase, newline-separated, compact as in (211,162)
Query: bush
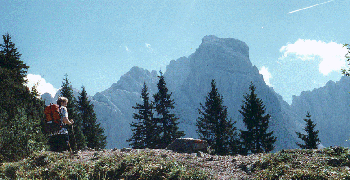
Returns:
(10,171)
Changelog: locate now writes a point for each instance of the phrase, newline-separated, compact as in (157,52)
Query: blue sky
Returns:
(297,45)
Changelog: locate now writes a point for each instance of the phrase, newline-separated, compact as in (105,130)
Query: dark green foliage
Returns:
(10,171)
(137,139)
(214,126)
(92,131)
(10,60)
(144,128)
(76,137)
(311,140)
(255,139)
(167,122)
(21,111)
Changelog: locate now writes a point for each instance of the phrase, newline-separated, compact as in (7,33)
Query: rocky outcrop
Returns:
(188,145)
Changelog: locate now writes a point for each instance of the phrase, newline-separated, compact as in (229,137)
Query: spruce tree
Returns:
(255,139)
(137,140)
(144,128)
(76,136)
(310,139)
(14,71)
(166,120)
(92,131)
(10,60)
(21,112)
(214,125)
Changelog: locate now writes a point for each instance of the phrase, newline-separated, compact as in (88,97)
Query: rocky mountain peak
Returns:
(222,53)
(209,38)
(133,80)
(188,79)
(230,43)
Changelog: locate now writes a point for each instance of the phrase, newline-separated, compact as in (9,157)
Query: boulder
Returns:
(188,145)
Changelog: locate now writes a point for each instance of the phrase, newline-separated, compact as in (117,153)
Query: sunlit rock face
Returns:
(227,61)
(224,59)
(329,109)
(113,106)
(47,98)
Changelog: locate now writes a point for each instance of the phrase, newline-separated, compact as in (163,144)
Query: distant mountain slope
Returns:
(225,60)
(113,106)
(49,99)
(329,109)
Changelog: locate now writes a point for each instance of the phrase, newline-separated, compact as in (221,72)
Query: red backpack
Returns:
(53,118)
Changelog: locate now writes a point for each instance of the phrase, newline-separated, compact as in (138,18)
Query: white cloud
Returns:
(127,49)
(266,74)
(43,86)
(331,55)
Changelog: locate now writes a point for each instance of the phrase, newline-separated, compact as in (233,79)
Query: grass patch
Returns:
(328,163)
(144,165)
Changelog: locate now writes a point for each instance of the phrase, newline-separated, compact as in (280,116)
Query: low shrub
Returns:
(50,165)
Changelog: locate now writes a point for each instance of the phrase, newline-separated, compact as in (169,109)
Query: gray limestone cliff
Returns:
(227,61)
(329,109)
(224,59)
(113,106)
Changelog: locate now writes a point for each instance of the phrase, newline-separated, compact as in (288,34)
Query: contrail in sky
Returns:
(310,6)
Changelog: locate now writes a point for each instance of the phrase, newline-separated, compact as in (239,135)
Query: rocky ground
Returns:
(327,163)
(219,167)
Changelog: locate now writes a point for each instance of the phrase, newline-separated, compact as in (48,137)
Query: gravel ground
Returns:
(220,167)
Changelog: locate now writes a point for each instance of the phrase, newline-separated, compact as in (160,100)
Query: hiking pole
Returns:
(69,146)
(75,140)
(68,142)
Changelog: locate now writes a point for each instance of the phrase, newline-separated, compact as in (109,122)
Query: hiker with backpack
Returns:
(58,137)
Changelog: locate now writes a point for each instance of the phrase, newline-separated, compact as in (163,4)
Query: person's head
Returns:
(62,101)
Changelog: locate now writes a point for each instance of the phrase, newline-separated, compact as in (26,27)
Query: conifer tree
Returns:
(137,140)
(92,131)
(214,125)
(144,129)
(76,136)
(311,140)
(10,60)
(21,111)
(255,139)
(166,120)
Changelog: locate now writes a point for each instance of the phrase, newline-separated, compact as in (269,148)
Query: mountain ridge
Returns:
(329,109)
(224,59)
(227,61)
